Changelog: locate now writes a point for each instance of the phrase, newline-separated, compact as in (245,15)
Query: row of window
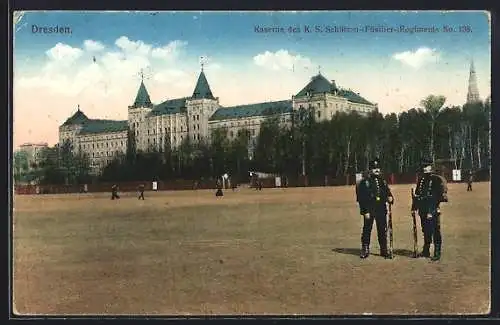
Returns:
(102,154)
(101,145)
(235,133)
(342,108)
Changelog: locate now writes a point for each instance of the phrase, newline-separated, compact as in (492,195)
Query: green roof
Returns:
(353,97)
(77,118)
(317,85)
(202,89)
(172,106)
(142,99)
(259,109)
(320,85)
(103,126)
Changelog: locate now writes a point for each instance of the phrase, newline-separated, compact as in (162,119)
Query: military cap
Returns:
(375,163)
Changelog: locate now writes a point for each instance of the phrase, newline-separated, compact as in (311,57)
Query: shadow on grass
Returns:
(357,251)
(347,251)
(403,252)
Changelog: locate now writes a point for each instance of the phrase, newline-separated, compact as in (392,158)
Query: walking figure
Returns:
(114,192)
(141,192)
(431,191)
(373,194)
(470,179)
(219,188)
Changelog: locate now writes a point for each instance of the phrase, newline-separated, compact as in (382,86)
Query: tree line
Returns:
(340,146)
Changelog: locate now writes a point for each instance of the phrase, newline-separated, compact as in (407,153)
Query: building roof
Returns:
(40,144)
(78,118)
(353,97)
(250,110)
(103,126)
(171,106)
(319,85)
(202,89)
(142,98)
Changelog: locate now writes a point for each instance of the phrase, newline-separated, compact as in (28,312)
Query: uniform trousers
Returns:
(379,215)
(431,228)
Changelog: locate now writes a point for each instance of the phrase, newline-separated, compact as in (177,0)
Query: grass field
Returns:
(279,251)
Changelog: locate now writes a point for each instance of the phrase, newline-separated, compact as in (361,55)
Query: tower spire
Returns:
(473,92)
(202,88)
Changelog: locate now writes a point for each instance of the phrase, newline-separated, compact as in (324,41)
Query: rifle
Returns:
(414,218)
(389,230)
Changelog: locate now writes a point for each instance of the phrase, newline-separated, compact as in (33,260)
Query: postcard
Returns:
(251,163)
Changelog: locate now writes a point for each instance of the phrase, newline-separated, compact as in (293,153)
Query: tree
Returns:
(432,105)
(20,165)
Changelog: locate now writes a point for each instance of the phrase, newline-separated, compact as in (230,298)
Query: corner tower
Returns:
(200,107)
(138,113)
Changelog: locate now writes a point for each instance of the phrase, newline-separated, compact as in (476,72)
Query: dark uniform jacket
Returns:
(372,194)
(430,192)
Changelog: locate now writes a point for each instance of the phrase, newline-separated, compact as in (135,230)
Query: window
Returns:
(319,114)
(231,134)
(253,132)
(165,130)
(198,136)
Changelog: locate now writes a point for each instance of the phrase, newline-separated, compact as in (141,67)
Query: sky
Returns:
(97,65)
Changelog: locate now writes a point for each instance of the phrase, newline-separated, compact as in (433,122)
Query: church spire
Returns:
(202,89)
(473,92)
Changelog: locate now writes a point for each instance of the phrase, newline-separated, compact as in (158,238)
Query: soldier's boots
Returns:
(385,254)
(425,251)
(437,254)
(365,251)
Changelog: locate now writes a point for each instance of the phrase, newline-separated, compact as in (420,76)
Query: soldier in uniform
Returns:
(141,192)
(114,192)
(430,192)
(469,181)
(373,195)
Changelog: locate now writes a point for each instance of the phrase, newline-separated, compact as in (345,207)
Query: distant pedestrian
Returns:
(114,192)
(219,188)
(470,179)
(140,190)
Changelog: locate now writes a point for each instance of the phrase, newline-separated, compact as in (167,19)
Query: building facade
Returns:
(33,153)
(195,118)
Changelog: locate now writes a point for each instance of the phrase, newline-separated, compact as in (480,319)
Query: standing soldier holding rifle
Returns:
(373,195)
(430,192)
